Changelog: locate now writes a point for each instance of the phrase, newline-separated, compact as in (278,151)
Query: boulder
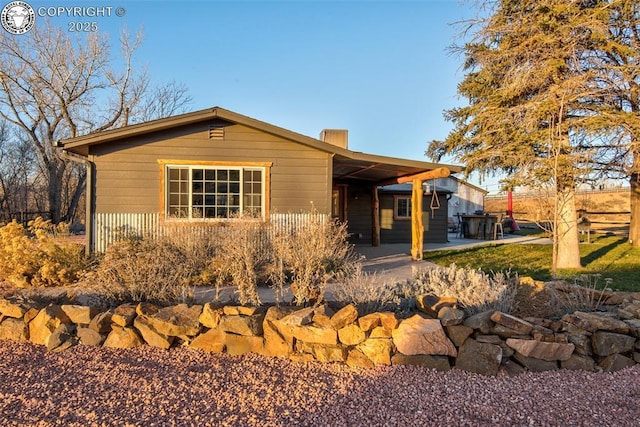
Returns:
(458,333)
(47,321)
(378,350)
(329,353)
(593,322)
(548,351)
(241,344)
(12,308)
(369,322)
(242,325)
(123,337)
(520,326)
(480,358)
(481,322)
(351,335)
(357,359)
(381,332)
(345,316)
(177,320)
(124,314)
(388,320)
(450,316)
(14,329)
(431,304)
(101,322)
(149,333)
(277,343)
(312,334)
(634,327)
(439,363)
(535,365)
(212,341)
(30,314)
(89,337)
(582,343)
(79,314)
(578,362)
(607,343)
(615,362)
(322,316)
(210,316)
(62,338)
(417,335)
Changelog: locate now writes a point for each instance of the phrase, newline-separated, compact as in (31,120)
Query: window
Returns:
(402,207)
(209,192)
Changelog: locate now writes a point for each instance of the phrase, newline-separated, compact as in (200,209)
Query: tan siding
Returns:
(128,173)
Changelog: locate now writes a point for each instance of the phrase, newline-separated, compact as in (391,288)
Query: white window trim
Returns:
(395,208)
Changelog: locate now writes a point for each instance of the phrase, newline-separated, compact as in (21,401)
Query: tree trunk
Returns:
(568,249)
(634,201)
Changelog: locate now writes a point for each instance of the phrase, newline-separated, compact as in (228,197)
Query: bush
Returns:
(367,293)
(40,255)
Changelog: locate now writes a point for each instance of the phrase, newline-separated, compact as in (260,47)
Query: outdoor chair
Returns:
(498,228)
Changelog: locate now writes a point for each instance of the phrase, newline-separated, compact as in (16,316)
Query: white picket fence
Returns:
(112,227)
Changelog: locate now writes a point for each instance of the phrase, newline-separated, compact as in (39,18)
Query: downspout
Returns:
(88,220)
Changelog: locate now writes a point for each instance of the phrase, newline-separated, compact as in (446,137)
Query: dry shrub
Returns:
(366,292)
(40,255)
(136,270)
(582,295)
(475,290)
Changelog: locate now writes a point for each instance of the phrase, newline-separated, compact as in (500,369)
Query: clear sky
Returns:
(380,69)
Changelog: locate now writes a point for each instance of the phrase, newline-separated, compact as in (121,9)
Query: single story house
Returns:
(211,165)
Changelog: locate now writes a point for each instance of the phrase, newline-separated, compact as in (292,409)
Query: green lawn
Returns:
(610,256)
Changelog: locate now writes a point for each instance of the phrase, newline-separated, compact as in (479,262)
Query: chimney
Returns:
(337,137)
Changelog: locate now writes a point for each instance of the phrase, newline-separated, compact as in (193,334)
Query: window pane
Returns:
(210,213)
(222,213)
(197,200)
(234,175)
(196,187)
(234,187)
(223,175)
(197,174)
(210,174)
(223,187)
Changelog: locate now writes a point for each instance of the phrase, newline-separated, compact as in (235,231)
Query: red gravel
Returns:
(86,386)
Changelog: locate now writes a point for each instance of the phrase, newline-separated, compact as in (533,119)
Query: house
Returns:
(210,165)
(466,198)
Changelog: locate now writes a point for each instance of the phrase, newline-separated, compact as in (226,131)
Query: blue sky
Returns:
(380,69)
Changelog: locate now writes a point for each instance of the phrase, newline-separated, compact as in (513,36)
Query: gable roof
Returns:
(347,164)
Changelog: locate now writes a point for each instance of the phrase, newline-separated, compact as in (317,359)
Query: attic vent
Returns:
(216,131)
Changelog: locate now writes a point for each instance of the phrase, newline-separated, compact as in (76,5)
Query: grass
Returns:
(607,255)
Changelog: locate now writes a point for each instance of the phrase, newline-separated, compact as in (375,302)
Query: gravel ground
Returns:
(146,386)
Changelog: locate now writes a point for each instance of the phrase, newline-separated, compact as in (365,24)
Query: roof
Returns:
(408,188)
(347,164)
(468,184)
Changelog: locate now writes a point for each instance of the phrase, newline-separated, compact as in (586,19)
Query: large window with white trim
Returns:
(214,192)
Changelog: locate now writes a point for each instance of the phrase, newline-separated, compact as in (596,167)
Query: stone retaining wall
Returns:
(440,336)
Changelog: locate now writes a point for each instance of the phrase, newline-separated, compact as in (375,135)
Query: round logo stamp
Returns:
(18,17)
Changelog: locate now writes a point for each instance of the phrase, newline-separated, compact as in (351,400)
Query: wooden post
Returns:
(417,227)
(375,217)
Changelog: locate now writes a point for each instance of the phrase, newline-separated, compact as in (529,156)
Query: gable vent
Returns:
(216,131)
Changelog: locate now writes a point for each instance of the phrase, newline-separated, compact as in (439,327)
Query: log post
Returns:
(375,216)
(417,227)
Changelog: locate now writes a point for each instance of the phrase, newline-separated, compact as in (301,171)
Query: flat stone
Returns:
(578,362)
(357,359)
(594,322)
(572,329)
(548,351)
(79,314)
(489,339)
(478,357)
(432,304)
(481,322)
(299,317)
(458,333)
(345,316)
(12,308)
(329,353)
(351,335)
(14,329)
(312,334)
(177,320)
(47,321)
(616,362)
(369,322)
(150,335)
(417,335)
(241,310)
(504,332)
(242,325)
(124,314)
(89,337)
(30,314)
(241,344)
(535,365)
(101,322)
(212,341)
(450,316)
(210,316)
(123,337)
(439,363)
(520,326)
(61,337)
(378,350)
(607,343)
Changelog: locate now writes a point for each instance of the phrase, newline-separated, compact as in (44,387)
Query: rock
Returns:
(548,351)
(301,357)
(101,322)
(478,357)
(481,322)
(241,344)
(417,335)
(13,309)
(345,316)
(89,337)
(322,316)
(489,339)
(146,309)
(241,310)
(277,343)
(511,369)
(439,363)
(450,316)
(299,317)
(30,314)
(14,329)
(431,304)
(388,320)
(562,338)
(149,333)
(351,335)
(377,350)
(242,325)
(79,314)
(582,343)
(381,332)
(369,322)
(123,337)
(210,316)
(616,362)
(458,334)
(593,322)
(312,334)
(124,314)
(636,356)
(47,321)
(572,329)
(634,327)
(61,337)
(521,327)
(535,365)
(357,359)
(504,332)
(607,343)
(212,341)
(177,320)
(578,362)
(329,353)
